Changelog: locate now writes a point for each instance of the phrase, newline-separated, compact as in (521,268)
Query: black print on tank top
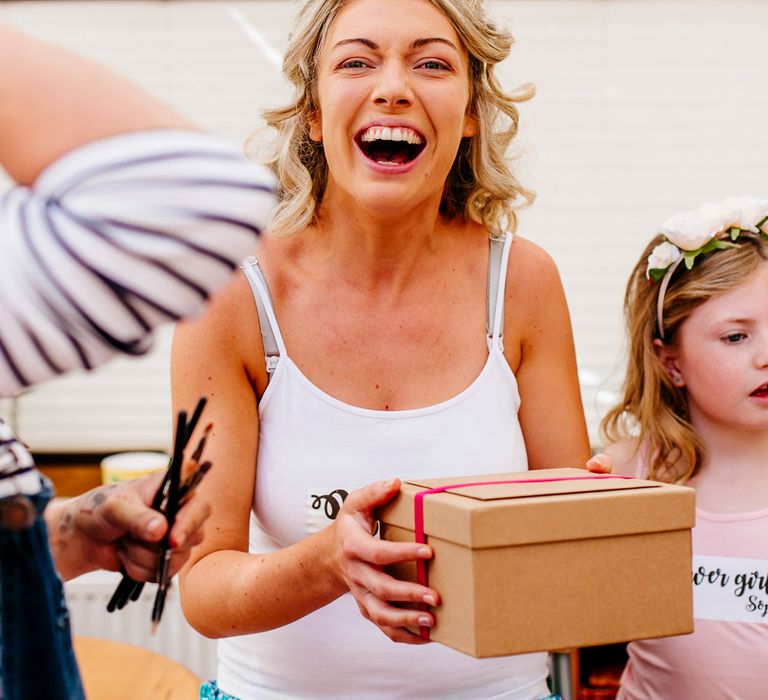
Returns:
(331,502)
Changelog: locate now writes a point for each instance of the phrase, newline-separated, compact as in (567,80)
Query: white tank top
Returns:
(313,450)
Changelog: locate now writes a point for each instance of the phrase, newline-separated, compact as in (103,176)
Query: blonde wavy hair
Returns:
(480,185)
(652,409)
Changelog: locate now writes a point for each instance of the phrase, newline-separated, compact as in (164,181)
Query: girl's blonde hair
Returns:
(480,185)
(652,408)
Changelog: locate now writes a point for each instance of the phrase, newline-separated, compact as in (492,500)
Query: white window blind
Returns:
(644,107)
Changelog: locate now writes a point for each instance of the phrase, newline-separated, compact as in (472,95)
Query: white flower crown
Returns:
(691,233)
(713,226)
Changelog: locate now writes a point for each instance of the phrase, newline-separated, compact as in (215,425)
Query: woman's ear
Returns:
(315,123)
(668,360)
(470,126)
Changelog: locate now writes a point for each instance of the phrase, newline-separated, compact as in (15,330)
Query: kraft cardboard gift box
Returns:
(577,560)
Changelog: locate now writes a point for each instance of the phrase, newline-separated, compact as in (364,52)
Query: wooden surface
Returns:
(72,479)
(115,671)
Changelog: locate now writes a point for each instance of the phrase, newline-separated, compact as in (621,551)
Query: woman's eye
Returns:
(432,64)
(734,337)
(354,63)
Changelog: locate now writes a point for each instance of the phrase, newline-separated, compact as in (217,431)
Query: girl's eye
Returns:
(734,337)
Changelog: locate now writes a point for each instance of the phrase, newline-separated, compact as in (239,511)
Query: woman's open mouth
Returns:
(388,146)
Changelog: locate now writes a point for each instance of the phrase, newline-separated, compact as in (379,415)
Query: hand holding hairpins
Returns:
(170,497)
(176,492)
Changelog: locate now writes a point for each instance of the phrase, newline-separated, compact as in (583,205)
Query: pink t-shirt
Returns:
(726,657)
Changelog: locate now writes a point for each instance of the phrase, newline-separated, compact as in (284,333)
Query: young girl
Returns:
(694,410)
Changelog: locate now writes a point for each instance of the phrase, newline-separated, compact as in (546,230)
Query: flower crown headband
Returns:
(713,226)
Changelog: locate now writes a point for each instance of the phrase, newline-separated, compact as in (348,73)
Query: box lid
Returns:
(566,504)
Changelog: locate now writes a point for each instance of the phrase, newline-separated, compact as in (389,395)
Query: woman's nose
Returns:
(393,88)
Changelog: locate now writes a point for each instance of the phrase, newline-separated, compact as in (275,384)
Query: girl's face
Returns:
(393,94)
(721,357)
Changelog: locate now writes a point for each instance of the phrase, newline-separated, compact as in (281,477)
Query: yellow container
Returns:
(125,466)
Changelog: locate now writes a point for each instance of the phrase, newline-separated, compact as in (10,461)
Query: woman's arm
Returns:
(124,218)
(551,412)
(52,101)
(227,591)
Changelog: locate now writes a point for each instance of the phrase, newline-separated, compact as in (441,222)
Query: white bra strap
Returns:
(266,313)
(498,255)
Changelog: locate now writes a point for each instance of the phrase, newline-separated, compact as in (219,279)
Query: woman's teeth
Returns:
(386,133)
(390,145)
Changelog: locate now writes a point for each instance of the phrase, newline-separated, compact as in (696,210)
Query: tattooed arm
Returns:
(113,526)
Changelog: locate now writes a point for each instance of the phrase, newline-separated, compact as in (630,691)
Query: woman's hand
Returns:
(600,463)
(360,558)
(113,526)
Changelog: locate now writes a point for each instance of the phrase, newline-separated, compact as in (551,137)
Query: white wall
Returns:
(644,107)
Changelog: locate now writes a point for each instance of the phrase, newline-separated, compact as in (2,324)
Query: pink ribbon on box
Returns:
(418,517)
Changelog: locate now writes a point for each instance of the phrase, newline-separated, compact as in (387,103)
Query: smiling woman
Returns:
(393,326)
(480,184)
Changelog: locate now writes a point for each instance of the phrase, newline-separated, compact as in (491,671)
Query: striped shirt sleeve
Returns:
(115,238)
(17,468)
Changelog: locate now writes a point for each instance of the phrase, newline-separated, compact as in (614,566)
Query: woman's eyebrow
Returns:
(417,44)
(431,40)
(366,42)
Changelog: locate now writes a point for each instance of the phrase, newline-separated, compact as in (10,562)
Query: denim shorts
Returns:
(36,656)
(210,691)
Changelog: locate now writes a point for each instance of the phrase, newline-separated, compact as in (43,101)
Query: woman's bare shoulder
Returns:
(533,280)
(231,306)
(228,329)
(530,263)
(534,293)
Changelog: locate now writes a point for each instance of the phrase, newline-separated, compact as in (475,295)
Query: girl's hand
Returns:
(360,558)
(600,463)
